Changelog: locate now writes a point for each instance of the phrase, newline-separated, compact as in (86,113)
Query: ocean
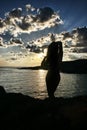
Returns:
(32,83)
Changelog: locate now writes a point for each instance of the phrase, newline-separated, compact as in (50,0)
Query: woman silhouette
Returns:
(54,59)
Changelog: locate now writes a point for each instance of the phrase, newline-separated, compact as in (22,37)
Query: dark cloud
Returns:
(24,24)
(1,41)
(17,21)
(78,35)
(34,48)
(67,35)
(79,50)
(7,20)
(82,34)
(75,43)
(15,12)
(45,14)
(16,41)
(13,58)
(81,44)
(66,45)
(83,50)
(1,45)
(1,23)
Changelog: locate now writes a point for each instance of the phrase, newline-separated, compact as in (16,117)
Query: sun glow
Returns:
(42,54)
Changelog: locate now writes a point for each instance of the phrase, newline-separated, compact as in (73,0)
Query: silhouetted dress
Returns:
(54,58)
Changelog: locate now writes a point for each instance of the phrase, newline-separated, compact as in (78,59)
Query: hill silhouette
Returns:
(76,66)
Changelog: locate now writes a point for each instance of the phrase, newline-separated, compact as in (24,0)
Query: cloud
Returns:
(44,14)
(21,59)
(16,22)
(29,8)
(80,35)
(15,13)
(24,24)
(27,39)
(75,43)
(77,38)
(33,48)
(1,23)
(13,43)
(32,52)
(45,18)
(78,49)
(67,35)
(1,41)
(11,58)
(16,41)
(2,45)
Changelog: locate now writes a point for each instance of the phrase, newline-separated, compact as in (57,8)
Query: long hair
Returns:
(53,54)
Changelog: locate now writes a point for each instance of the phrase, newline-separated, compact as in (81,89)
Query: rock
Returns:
(21,112)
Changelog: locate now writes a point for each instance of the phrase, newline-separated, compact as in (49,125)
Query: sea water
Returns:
(32,83)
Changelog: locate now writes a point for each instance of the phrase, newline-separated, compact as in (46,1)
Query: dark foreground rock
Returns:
(21,112)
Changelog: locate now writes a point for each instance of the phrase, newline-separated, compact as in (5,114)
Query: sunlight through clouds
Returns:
(16,23)
(25,36)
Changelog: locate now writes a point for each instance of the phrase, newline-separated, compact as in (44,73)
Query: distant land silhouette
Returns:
(77,66)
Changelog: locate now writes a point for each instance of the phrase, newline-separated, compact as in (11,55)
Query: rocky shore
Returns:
(21,112)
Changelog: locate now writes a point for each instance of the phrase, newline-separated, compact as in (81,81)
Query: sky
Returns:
(26,27)
(73,12)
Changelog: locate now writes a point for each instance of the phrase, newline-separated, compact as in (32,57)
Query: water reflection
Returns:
(32,83)
(72,85)
(41,85)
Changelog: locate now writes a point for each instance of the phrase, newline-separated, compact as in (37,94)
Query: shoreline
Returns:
(40,68)
(70,67)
